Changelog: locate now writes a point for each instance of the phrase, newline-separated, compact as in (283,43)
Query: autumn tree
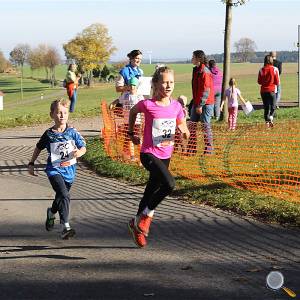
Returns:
(4,63)
(18,56)
(91,48)
(227,37)
(245,49)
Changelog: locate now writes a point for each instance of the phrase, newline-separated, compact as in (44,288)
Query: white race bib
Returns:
(62,153)
(163,132)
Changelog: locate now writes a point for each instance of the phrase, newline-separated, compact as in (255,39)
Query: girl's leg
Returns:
(229,117)
(234,117)
(61,203)
(272,104)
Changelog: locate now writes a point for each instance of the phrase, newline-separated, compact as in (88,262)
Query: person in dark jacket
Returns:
(278,64)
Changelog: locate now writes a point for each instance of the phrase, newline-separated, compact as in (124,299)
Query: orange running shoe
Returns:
(144,223)
(139,238)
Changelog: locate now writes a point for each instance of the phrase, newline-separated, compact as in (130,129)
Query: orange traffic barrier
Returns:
(254,157)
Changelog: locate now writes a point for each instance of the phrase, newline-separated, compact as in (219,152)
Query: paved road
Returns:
(194,252)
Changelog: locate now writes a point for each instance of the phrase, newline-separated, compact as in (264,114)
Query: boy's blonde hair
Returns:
(61,101)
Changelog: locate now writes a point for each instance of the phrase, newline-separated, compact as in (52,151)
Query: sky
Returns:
(166,29)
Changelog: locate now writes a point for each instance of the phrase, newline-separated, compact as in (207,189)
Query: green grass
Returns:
(33,110)
(219,195)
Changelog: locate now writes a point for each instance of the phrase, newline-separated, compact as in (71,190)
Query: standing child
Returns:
(162,115)
(128,100)
(64,145)
(232,95)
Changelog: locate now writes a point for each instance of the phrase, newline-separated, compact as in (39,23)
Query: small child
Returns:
(179,142)
(232,95)
(128,100)
(64,145)
(183,101)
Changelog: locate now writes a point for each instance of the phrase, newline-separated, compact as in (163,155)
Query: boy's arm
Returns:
(79,152)
(34,156)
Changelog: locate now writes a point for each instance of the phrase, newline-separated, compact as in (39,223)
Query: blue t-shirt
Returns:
(129,71)
(60,146)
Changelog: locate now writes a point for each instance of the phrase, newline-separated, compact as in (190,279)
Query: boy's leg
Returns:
(61,203)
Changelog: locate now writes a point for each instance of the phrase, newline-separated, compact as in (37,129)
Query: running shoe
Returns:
(49,220)
(144,223)
(67,233)
(138,238)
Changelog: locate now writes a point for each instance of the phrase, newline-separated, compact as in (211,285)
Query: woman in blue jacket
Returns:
(129,71)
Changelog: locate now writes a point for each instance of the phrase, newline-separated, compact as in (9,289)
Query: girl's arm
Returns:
(182,126)
(242,99)
(34,156)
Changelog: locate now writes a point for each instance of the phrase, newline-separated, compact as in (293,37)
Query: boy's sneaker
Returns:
(138,237)
(144,223)
(67,233)
(49,220)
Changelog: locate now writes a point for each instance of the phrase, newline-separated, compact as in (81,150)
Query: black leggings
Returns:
(160,184)
(269,101)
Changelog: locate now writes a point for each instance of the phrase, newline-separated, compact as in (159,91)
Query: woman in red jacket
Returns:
(268,78)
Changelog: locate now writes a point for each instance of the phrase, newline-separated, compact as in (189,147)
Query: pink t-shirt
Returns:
(160,125)
(232,95)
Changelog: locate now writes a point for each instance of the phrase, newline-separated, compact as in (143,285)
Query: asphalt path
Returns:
(193,252)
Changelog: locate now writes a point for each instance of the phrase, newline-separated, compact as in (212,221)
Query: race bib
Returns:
(62,153)
(163,132)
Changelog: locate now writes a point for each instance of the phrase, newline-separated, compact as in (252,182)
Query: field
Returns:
(32,109)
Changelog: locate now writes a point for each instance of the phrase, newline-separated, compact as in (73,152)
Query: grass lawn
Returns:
(219,195)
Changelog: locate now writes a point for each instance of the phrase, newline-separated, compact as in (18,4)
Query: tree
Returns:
(51,60)
(90,48)
(104,73)
(18,56)
(245,49)
(227,35)
(4,63)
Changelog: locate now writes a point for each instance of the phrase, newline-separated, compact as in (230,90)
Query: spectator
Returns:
(203,99)
(217,77)
(268,78)
(278,64)
(129,71)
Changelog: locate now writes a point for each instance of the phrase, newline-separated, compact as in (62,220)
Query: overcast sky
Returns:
(170,29)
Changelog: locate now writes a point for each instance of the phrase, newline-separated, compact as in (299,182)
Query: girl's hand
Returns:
(135,139)
(199,110)
(186,135)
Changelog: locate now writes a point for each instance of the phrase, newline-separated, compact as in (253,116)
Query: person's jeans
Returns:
(160,184)
(278,95)
(217,105)
(61,203)
(269,101)
(205,118)
(73,100)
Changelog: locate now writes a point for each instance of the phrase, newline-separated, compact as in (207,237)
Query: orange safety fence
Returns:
(254,157)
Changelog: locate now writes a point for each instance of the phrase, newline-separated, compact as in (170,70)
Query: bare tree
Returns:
(245,49)
(227,38)
(52,59)
(18,56)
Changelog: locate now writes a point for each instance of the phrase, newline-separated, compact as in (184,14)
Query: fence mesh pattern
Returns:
(254,157)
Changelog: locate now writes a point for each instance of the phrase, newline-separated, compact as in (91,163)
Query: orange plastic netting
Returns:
(251,157)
